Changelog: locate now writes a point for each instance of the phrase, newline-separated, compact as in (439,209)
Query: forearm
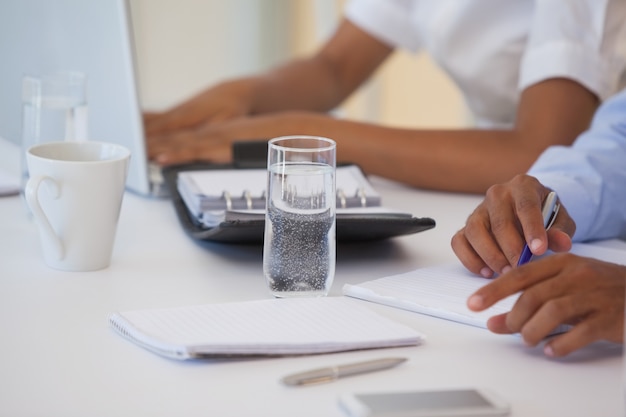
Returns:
(553,112)
(307,84)
(452,160)
(449,160)
(322,81)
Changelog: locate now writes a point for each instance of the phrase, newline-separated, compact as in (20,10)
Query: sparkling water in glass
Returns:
(300,240)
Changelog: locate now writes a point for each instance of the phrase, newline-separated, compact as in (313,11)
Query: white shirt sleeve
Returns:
(584,40)
(590,175)
(390,21)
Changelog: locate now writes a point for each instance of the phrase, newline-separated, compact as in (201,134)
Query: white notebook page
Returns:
(439,291)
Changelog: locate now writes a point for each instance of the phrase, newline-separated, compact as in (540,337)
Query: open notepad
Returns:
(226,203)
(293,326)
(442,291)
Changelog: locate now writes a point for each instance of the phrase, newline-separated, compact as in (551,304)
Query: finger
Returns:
(194,152)
(479,236)
(525,309)
(561,232)
(512,282)
(468,256)
(535,318)
(504,228)
(185,116)
(174,158)
(225,115)
(528,206)
(165,122)
(162,143)
(577,337)
(542,306)
(183,146)
(562,301)
(497,324)
(593,327)
(559,241)
(155,121)
(536,325)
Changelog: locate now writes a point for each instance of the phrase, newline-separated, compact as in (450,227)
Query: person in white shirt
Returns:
(532,74)
(589,178)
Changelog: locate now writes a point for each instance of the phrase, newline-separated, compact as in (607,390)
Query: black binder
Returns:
(252,154)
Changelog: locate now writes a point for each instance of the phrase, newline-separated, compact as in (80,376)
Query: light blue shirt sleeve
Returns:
(590,175)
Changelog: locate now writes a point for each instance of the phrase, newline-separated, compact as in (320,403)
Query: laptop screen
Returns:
(94,37)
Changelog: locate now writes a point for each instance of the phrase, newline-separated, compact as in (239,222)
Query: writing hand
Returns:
(510,216)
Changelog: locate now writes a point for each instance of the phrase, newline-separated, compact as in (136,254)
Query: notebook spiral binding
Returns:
(342,199)
(119,328)
(360,193)
(246,197)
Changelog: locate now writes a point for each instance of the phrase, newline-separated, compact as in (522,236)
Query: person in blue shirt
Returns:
(590,180)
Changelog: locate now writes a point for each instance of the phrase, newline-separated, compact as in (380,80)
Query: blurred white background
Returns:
(183,46)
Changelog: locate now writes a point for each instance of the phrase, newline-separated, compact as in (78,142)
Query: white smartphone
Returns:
(470,402)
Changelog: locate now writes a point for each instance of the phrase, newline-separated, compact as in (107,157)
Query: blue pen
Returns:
(549,211)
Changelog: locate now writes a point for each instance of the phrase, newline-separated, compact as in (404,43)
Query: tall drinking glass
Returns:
(300,241)
(54,108)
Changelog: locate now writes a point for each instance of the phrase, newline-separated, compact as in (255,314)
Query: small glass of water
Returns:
(54,108)
(300,241)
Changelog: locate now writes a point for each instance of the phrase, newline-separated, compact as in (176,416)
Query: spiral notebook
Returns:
(271,327)
(226,203)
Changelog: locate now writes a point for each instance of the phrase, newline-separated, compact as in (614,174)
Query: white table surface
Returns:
(58,356)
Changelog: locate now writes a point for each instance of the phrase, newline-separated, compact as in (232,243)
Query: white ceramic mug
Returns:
(75,192)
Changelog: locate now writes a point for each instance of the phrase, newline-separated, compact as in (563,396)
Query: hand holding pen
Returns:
(549,212)
(509,218)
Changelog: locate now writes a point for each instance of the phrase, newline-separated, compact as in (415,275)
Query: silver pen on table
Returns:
(332,373)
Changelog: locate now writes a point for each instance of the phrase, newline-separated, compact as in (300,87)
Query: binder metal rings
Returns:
(342,198)
(228,199)
(248,197)
(360,192)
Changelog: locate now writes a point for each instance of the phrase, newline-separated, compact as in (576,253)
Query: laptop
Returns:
(94,37)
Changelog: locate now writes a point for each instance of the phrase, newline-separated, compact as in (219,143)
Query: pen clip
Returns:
(549,211)
(314,376)
(554,211)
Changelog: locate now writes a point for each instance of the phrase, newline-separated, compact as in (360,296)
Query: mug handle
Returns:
(31,190)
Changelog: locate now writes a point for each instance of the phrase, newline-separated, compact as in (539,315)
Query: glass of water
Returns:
(300,241)
(54,108)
